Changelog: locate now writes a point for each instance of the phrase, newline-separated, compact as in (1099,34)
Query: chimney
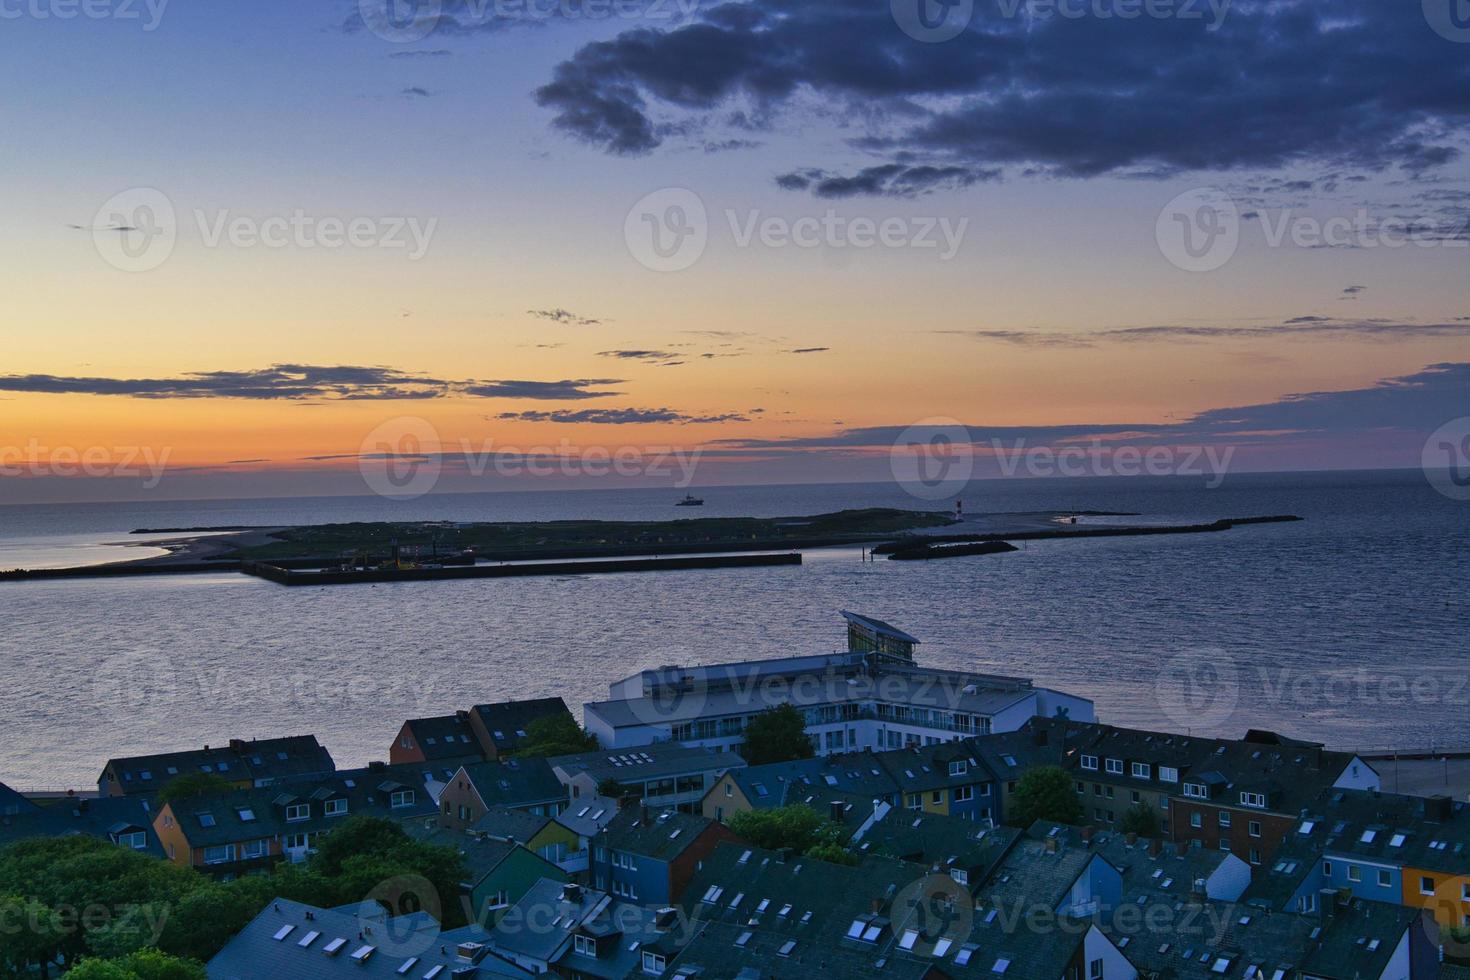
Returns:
(1155,847)
(836,811)
(1040,736)
(1087,833)
(1051,845)
(1439,809)
(1181,847)
(643,812)
(1197,891)
(665,918)
(236,745)
(571,893)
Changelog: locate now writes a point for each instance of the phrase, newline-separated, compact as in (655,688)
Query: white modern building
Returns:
(871,696)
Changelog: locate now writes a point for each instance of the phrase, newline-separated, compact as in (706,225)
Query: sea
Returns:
(1348,627)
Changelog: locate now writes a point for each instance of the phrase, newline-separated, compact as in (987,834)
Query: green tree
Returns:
(371,857)
(192,784)
(145,964)
(776,735)
(557,734)
(796,827)
(1045,793)
(1140,819)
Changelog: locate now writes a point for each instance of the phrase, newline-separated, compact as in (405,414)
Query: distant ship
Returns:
(690,501)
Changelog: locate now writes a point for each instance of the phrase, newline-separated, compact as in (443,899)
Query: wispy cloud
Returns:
(1293,328)
(559,315)
(667,358)
(621,416)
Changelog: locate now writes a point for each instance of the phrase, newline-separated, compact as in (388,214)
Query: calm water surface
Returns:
(1349,627)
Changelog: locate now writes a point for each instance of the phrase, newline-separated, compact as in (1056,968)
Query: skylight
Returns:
(909,938)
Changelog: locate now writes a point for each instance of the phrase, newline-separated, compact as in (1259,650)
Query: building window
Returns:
(295,842)
(585,946)
(1195,820)
(1141,770)
(252,849)
(729,789)
(1089,762)
(1224,818)
(959,767)
(916,801)
(1168,774)
(1255,856)
(1384,878)
(1327,869)
(1355,873)
(960,876)
(964,794)
(1254,827)
(1095,970)
(335,808)
(136,839)
(936,797)
(653,963)
(223,854)
(1426,885)
(1257,800)
(1115,766)
(298,811)
(1196,791)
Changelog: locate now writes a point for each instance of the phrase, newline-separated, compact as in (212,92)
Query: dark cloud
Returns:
(415,92)
(559,315)
(278,382)
(1354,290)
(1357,84)
(432,53)
(650,356)
(809,350)
(297,382)
(886,180)
(571,390)
(621,416)
(1415,404)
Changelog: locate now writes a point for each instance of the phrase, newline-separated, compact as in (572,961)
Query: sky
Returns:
(272,249)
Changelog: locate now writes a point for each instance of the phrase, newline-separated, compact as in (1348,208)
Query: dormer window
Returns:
(401,798)
(585,946)
(1168,774)
(958,768)
(653,963)
(1257,800)
(298,811)
(336,808)
(1141,770)
(1115,766)
(1198,791)
(1089,762)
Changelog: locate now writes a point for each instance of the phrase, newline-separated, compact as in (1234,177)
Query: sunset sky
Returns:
(517,146)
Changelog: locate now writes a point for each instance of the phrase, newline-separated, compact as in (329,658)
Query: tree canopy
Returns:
(557,734)
(122,914)
(1140,819)
(797,827)
(777,735)
(1045,793)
